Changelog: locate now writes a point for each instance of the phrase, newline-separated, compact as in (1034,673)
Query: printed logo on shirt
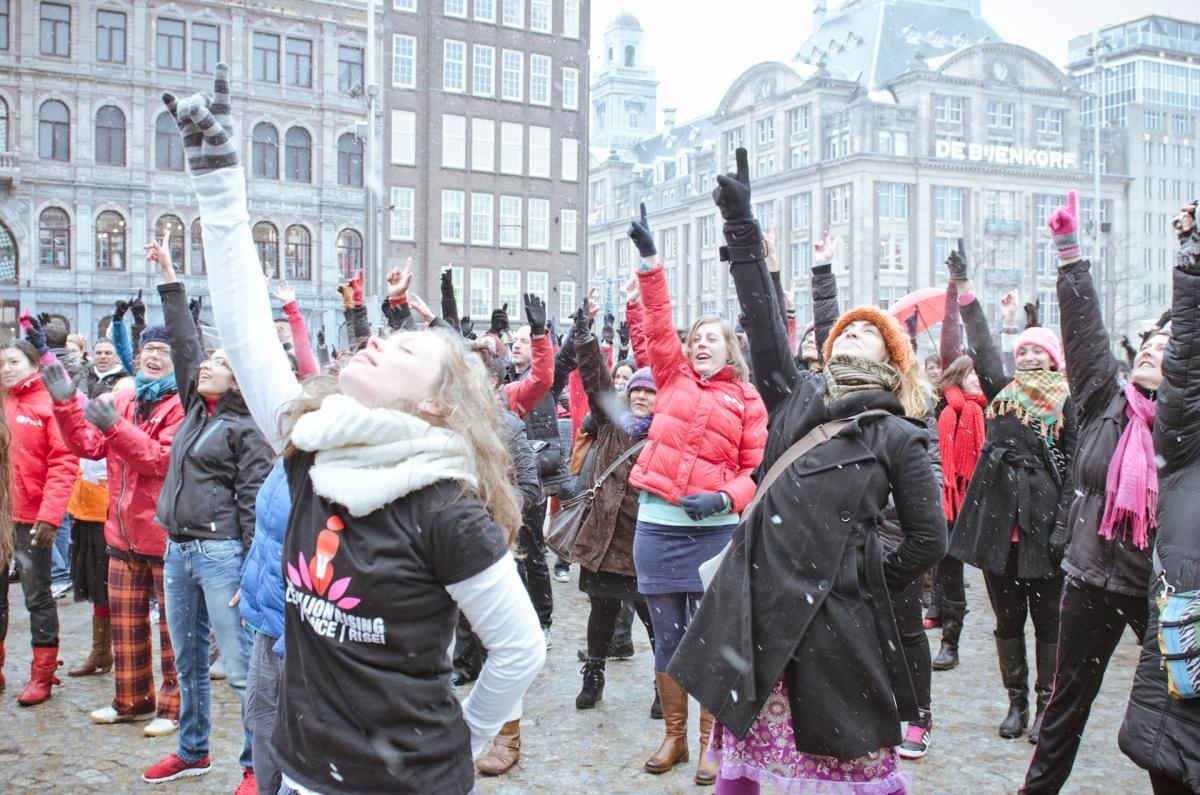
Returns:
(23,420)
(731,399)
(325,607)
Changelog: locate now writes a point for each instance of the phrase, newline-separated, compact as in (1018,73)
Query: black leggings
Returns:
(1165,785)
(603,618)
(1014,599)
(949,581)
(906,605)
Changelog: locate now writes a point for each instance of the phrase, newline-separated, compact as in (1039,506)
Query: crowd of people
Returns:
(359,536)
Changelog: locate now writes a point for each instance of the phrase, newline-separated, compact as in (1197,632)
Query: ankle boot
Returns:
(593,683)
(1014,673)
(706,769)
(100,661)
(674,748)
(41,676)
(952,624)
(1043,686)
(505,752)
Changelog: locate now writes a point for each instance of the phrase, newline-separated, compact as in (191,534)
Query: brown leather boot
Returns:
(505,751)
(674,748)
(706,769)
(100,661)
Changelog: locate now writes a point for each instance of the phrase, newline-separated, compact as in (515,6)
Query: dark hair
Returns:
(24,347)
(56,333)
(492,363)
(624,363)
(934,358)
(954,375)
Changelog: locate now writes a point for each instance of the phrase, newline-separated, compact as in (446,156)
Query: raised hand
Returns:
(119,310)
(138,308)
(956,266)
(35,335)
(535,314)
(160,255)
(467,327)
(732,194)
(769,245)
(825,250)
(623,334)
(284,292)
(58,384)
(1065,220)
(1008,306)
(593,308)
(499,320)
(206,125)
(1186,221)
(581,322)
(419,307)
(399,280)
(639,233)
(633,290)
(101,412)
(194,306)
(356,288)
(321,337)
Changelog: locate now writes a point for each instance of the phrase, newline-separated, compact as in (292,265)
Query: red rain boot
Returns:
(41,676)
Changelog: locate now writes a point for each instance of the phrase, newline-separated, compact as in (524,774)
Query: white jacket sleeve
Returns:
(240,304)
(499,611)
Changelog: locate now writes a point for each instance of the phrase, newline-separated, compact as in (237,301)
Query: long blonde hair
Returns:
(468,408)
(736,359)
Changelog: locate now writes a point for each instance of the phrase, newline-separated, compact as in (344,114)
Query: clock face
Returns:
(999,70)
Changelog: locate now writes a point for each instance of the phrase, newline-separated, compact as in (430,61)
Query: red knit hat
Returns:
(895,338)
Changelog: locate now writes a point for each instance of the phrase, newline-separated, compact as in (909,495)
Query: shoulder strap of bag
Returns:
(620,459)
(817,436)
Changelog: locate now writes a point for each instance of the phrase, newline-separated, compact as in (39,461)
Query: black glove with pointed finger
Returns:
(732,194)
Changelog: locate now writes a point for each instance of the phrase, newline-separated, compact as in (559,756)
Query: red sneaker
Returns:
(173,767)
(248,785)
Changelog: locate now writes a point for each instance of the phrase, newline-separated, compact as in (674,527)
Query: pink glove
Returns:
(26,323)
(1064,225)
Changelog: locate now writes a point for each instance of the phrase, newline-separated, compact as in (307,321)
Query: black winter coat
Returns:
(1016,482)
(1162,733)
(802,594)
(1116,565)
(94,385)
(218,461)
(525,473)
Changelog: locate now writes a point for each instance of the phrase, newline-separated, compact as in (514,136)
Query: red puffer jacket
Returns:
(43,468)
(708,434)
(138,453)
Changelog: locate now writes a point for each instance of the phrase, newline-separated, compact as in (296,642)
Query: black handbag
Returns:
(564,529)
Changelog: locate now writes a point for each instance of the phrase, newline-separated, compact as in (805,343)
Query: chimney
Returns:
(669,118)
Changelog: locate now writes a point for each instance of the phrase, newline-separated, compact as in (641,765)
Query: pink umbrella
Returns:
(928,303)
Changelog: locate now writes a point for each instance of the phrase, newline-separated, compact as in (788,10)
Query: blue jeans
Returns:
(60,553)
(262,700)
(200,578)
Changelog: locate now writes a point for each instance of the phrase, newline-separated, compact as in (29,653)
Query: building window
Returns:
(509,284)
(350,161)
(54,239)
(891,142)
(266,241)
(297,155)
(539,151)
(110,241)
(539,79)
(455,8)
(3,123)
(483,71)
(266,57)
(633,114)
(801,155)
(510,221)
(454,141)
(405,5)
(110,136)
(5,16)
(570,160)
(481,219)
(540,16)
(483,145)
(349,253)
(404,138)
(999,115)
(168,146)
(800,212)
(169,42)
(1049,121)
(197,246)
(481,292)
(799,119)
(568,231)
(999,205)
(708,232)
(452,216)
(404,62)
(948,110)
(948,205)
(839,204)
(54,131)
(538,283)
(297,254)
(299,63)
(265,151)
(514,13)
(570,19)
(570,88)
(512,75)
(206,48)
(566,302)
(350,70)
(485,10)
(402,214)
(630,56)
(734,140)
(766,131)
(511,148)
(454,58)
(893,201)
(764,165)
(170,226)
(110,35)
(55,30)
(893,253)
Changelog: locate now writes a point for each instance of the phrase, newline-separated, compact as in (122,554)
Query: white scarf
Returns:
(367,458)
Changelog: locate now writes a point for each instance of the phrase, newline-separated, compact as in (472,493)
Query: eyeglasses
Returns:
(219,361)
(157,348)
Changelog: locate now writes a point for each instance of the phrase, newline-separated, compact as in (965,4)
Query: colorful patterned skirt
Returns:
(768,755)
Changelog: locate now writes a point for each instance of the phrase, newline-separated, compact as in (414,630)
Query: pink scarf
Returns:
(1131,492)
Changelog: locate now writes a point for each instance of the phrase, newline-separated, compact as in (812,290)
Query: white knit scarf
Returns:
(367,458)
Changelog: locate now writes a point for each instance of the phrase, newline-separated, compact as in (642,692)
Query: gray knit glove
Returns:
(206,125)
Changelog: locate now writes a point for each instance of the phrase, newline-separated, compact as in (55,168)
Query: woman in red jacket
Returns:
(710,427)
(42,477)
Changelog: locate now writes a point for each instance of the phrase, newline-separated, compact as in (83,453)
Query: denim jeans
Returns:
(35,582)
(262,700)
(200,577)
(60,553)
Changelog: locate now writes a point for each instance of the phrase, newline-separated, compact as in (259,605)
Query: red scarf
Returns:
(960,434)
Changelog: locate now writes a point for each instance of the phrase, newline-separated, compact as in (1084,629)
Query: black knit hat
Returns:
(156,333)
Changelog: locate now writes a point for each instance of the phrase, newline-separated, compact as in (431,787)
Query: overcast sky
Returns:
(699,48)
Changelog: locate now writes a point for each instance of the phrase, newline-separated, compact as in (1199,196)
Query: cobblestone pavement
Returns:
(54,748)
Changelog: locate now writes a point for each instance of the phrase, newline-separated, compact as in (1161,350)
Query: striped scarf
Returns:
(1037,398)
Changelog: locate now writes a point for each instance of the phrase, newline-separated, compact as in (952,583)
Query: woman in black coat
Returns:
(1019,493)
(805,580)
(1161,733)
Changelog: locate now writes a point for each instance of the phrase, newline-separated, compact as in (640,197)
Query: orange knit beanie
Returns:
(895,338)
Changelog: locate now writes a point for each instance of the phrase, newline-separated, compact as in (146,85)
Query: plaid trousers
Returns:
(129,587)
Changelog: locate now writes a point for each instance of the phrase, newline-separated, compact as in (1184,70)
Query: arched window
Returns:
(349,253)
(297,155)
(54,131)
(54,238)
(198,266)
(630,55)
(3,125)
(265,152)
(168,146)
(8,255)
(173,225)
(110,136)
(297,254)
(266,240)
(110,241)
(350,161)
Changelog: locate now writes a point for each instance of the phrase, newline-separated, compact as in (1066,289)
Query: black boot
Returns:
(952,624)
(593,684)
(1047,661)
(1014,672)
